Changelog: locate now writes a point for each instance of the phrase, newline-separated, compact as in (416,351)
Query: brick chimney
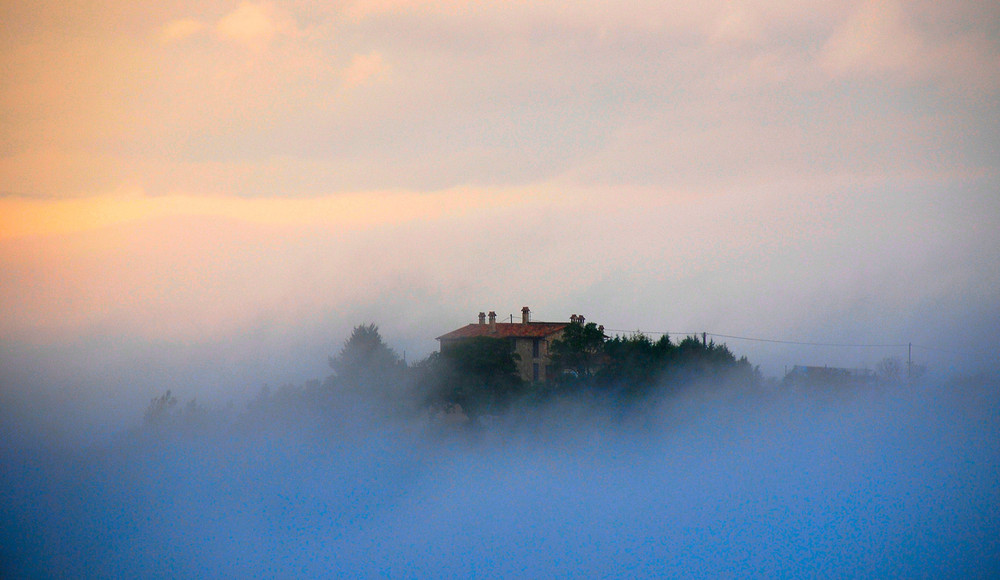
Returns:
(493,321)
(525,315)
(482,318)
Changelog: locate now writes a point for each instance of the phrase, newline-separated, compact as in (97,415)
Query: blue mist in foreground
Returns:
(887,482)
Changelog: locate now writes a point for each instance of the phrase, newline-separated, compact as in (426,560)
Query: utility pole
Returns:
(909,361)
(704,339)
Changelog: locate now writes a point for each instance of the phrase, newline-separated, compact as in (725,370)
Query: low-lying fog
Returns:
(897,481)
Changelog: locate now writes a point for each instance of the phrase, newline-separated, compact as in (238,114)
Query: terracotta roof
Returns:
(506,330)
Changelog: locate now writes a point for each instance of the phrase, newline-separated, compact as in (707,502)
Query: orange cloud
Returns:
(873,39)
(363,68)
(20,217)
(361,9)
(180,29)
(737,24)
(180,266)
(252,24)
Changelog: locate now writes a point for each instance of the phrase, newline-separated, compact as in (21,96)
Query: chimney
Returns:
(573,319)
(525,315)
(482,318)
(493,321)
(580,320)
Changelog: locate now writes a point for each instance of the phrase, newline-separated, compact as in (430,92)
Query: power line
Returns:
(803,343)
(651,332)
(968,352)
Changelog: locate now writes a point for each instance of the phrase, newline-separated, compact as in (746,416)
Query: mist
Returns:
(704,481)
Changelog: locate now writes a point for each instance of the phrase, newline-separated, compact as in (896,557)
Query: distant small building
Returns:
(530,340)
(825,376)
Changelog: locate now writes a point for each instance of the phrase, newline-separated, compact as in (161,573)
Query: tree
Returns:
(579,350)
(634,363)
(693,359)
(890,370)
(366,359)
(159,409)
(480,374)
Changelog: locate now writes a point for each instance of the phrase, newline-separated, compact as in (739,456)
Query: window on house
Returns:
(534,372)
(534,347)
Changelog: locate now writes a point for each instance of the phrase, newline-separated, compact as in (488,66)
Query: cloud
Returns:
(950,43)
(482,93)
(57,171)
(180,29)
(738,24)
(21,216)
(252,24)
(359,10)
(364,68)
(874,39)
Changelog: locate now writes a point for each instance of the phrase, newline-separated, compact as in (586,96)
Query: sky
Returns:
(207,196)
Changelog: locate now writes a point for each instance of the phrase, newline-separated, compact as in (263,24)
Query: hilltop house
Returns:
(827,376)
(530,340)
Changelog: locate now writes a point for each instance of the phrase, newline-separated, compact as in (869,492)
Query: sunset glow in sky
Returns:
(221,190)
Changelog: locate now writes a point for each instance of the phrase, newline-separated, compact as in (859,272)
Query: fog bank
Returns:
(712,482)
